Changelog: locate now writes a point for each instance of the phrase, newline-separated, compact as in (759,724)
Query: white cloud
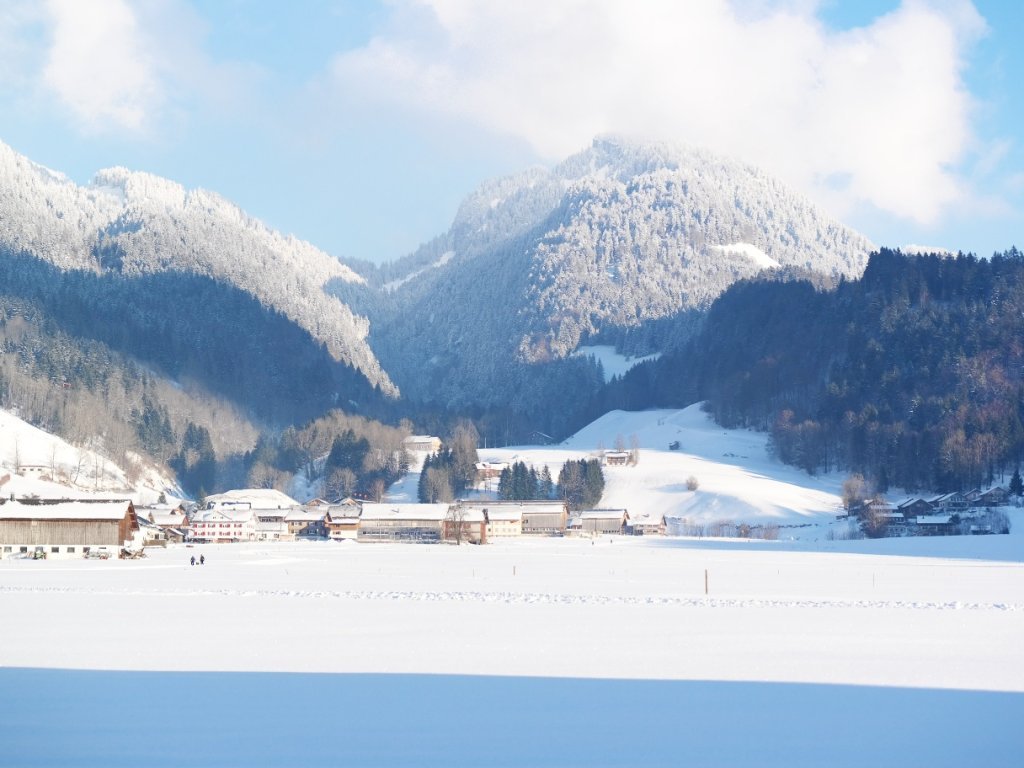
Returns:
(99,66)
(131,67)
(877,115)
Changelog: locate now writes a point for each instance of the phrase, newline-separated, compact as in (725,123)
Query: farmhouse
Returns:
(402,522)
(994,497)
(342,520)
(616,458)
(67,528)
(501,520)
(645,524)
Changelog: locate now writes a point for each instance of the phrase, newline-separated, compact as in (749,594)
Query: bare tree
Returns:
(341,482)
(855,488)
(634,449)
(455,523)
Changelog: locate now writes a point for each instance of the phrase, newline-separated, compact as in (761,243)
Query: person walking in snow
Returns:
(202,559)
(193,559)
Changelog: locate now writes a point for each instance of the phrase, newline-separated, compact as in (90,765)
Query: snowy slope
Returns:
(36,462)
(738,481)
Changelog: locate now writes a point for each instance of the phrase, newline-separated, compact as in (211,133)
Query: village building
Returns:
(539,518)
(342,520)
(949,503)
(994,497)
(224,525)
(911,507)
(935,525)
(422,443)
(595,521)
(271,525)
(646,524)
(616,458)
(402,522)
(307,523)
(66,528)
(464,524)
(501,520)
(173,522)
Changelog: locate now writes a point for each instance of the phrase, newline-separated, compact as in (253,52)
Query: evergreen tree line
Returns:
(189,326)
(521,482)
(912,375)
(580,483)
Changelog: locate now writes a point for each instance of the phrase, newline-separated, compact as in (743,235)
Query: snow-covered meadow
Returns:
(527,652)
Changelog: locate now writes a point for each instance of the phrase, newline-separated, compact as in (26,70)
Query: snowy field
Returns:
(526,652)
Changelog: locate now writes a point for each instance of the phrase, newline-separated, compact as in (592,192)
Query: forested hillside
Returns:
(608,244)
(913,375)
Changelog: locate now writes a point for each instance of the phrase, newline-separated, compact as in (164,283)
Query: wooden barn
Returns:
(67,528)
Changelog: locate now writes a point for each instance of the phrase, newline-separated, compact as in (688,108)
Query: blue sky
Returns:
(361,125)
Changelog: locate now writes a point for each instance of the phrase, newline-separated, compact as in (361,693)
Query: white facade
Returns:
(224,524)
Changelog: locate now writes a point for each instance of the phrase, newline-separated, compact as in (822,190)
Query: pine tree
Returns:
(1016,484)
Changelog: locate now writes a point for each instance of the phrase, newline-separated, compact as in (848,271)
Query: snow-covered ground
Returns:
(615,651)
(614,363)
(800,649)
(36,462)
(737,480)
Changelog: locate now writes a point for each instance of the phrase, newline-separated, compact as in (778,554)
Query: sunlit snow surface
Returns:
(531,646)
(806,651)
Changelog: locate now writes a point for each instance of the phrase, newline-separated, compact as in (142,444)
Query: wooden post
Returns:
(705,581)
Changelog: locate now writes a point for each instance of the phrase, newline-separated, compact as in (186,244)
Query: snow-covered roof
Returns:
(646,518)
(171,518)
(65,510)
(223,514)
(433,512)
(933,519)
(303,515)
(602,514)
(258,498)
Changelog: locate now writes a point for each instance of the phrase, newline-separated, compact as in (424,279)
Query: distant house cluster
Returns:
(81,528)
(973,513)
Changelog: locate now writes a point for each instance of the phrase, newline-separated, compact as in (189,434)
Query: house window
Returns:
(71,550)
(8,549)
(23,549)
(55,549)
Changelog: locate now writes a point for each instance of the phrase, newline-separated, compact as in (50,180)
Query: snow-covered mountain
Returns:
(135,224)
(616,236)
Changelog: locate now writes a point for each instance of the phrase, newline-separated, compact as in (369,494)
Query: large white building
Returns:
(225,524)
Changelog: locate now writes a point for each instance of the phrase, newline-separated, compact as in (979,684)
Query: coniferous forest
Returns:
(912,375)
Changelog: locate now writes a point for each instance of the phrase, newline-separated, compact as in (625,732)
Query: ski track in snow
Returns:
(535,598)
